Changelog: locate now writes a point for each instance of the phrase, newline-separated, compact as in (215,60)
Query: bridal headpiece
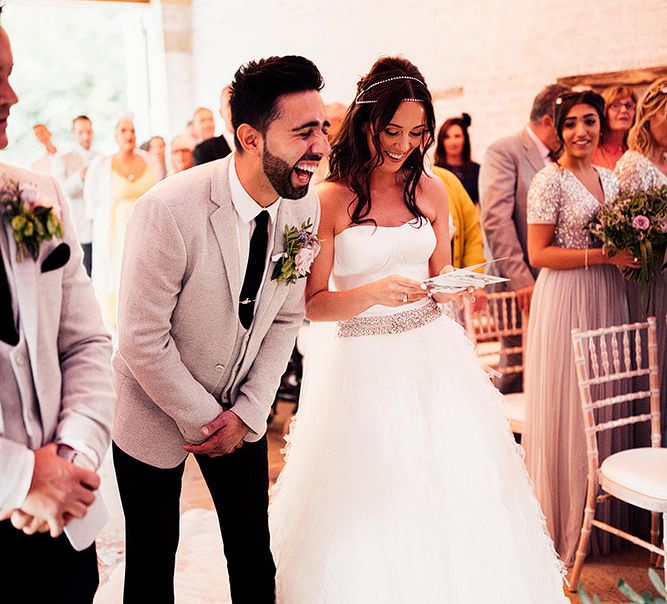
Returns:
(359,101)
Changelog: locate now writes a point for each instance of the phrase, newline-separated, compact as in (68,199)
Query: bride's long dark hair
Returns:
(390,81)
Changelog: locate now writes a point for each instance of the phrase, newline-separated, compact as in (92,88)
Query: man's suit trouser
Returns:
(37,569)
(238,484)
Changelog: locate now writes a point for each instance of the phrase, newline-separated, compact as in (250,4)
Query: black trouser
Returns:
(238,483)
(36,569)
(87,257)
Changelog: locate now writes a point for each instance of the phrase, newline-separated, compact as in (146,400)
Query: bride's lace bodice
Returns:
(366,253)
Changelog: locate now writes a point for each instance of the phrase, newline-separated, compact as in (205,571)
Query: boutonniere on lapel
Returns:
(302,248)
(31,217)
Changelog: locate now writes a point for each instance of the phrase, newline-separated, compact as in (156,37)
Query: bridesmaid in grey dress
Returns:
(644,167)
(578,287)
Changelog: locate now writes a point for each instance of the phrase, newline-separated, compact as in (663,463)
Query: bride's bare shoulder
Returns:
(334,197)
(335,200)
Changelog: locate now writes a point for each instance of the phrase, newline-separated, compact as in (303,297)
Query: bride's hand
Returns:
(396,290)
(440,297)
(476,296)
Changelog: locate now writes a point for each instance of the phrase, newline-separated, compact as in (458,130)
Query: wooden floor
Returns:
(600,575)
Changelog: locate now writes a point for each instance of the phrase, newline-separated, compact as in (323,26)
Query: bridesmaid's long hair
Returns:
(653,103)
(390,81)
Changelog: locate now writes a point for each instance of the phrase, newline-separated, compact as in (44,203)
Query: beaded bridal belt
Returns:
(389,324)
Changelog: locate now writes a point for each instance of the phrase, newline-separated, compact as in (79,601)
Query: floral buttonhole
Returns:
(302,247)
(32,218)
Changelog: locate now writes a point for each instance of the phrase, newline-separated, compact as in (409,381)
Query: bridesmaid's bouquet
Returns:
(635,222)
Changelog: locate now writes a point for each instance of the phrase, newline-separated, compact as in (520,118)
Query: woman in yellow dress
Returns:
(113,184)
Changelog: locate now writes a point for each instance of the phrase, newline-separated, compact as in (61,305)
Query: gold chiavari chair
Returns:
(637,476)
(486,328)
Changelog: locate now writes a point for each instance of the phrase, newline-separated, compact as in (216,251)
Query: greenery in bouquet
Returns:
(634,597)
(636,222)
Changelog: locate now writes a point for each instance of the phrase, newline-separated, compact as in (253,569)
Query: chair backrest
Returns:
(619,354)
(486,328)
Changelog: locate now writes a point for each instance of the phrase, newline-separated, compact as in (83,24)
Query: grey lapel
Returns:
(26,274)
(223,222)
(532,152)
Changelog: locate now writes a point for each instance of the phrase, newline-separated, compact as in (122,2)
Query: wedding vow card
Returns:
(461,279)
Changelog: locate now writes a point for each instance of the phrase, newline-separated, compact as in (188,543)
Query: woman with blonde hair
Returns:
(620,103)
(643,167)
(113,183)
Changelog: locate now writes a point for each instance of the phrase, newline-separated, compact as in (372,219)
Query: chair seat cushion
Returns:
(642,470)
(514,407)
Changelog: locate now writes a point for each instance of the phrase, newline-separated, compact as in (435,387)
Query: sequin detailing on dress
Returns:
(557,196)
(636,172)
(387,324)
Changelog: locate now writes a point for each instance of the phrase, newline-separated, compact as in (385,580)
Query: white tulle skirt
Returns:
(403,483)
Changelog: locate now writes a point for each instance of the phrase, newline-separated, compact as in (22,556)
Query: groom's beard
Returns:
(279,173)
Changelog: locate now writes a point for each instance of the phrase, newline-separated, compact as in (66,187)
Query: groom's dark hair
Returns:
(258,85)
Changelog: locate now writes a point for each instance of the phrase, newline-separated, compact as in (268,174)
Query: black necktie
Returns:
(255,269)
(8,331)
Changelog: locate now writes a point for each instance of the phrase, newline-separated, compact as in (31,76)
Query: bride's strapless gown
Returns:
(403,483)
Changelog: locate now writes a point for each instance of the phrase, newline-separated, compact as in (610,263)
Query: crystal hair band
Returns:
(365,90)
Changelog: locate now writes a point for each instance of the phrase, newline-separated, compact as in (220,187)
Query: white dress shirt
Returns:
(247,209)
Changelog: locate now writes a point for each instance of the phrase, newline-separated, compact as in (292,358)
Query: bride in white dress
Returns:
(403,483)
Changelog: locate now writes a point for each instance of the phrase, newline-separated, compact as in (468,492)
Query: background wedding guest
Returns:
(583,288)
(620,103)
(190,129)
(157,147)
(453,152)
(225,111)
(113,183)
(335,115)
(504,178)
(465,230)
(203,124)
(644,167)
(70,169)
(215,147)
(44,165)
(57,400)
(181,153)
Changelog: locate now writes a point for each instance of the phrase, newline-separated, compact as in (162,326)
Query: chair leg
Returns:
(585,535)
(655,534)
(664,546)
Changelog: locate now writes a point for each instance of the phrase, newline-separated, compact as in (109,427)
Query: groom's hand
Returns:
(225,435)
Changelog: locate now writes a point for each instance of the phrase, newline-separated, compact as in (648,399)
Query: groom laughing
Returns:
(205,333)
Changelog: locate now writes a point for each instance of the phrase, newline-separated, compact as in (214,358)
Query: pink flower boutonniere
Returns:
(302,249)
(32,219)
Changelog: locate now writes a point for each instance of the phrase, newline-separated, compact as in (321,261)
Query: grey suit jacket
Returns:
(178,317)
(69,349)
(504,179)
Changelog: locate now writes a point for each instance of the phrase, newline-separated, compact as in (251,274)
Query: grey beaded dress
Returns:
(563,300)
(637,172)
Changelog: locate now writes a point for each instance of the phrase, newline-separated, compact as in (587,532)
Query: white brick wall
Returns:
(501,52)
